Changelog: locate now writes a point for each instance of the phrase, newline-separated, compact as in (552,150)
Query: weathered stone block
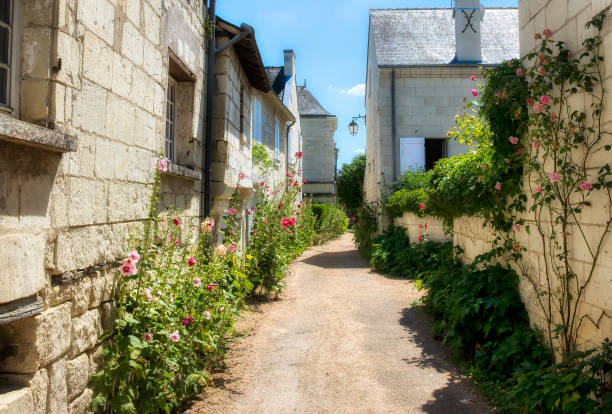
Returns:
(16,401)
(99,17)
(90,108)
(81,295)
(96,361)
(132,46)
(36,341)
(85,332)
(22,265)
(37,383)
(34,99)
(87,202)
(97,60)
(69,49)
(122,75)
(57,396)
(77,375)
(81,404)
(108,314)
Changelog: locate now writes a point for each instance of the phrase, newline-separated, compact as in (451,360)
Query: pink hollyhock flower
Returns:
(249,212)
(519,72)
(232,248)
(210,287)
(541,71)
(528,101)
(191,262)
(547,33)
(293,221)
(545,99)
(422,206)
(425,225)
(287,175)
(585,186)
(253,233)
(128,268)
(134,256)
(513,140)
(553,116)
(537,107)
(298,154)
(538,190)
(184,322)
(197,282)
(536,144)
(498,186)
(148,337)
(206,315)
(304,182)
(231,211)
(420,226)
(420,237)
(160,163)
(261,184)
(241,176)
(176,242)
(472,77)
(554,177)
(176,222)
(148,294)
(474,92)
(516,228)
(221,249)
(175,337)
(238,188)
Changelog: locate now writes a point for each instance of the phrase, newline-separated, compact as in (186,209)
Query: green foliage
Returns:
(331,222)
(320,210)
(176,305)
(261,159)
(393,254)
(350,184)
(365,228)
(407,200)
(412,180)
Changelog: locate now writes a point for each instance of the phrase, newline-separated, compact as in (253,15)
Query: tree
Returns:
(350,184)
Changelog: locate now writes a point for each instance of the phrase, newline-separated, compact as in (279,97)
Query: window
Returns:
(421,153)
(435,148)
(276,138)
(257,122)
(10,16)
(171,109)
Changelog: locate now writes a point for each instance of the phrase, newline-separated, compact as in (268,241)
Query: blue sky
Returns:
(329,38)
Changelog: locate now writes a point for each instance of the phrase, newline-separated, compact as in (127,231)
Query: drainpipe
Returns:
(245,30)
(289,126)
(393,125)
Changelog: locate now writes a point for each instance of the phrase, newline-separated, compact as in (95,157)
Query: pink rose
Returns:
(545,99)
(553,116)
(537,107)
(232,248)
(519,72)
(231,211)
(513,140)
(554,177)
(175,337)
(536,144)
(191,262)
(538,190)
(261,184)
(498,186)
(210,287)
(472,77)
(148,337)
(176,222)
(547,33)
(221,249)
(422,206)
(585,186)
(474,92)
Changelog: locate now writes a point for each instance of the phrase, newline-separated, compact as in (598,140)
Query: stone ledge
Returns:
(183,172)
(20,309)
(24,133)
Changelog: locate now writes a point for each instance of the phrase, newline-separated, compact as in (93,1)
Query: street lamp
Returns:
(354,126)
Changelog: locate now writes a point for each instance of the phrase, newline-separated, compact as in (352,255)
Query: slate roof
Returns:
(276,77)
(308,104)
(406,37)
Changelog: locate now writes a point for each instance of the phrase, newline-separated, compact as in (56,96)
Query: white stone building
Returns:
(320,152)
(419,66)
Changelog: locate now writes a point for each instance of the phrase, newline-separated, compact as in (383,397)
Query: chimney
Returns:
(289,62)
(468,15)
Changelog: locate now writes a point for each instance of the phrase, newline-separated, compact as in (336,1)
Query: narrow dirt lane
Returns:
(342,339)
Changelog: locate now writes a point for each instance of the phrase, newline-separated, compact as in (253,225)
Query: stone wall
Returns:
(65,217)
(415,227)
(319,159)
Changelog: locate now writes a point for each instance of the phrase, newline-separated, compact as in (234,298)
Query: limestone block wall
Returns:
(65,218)
(319,161)
(415,226)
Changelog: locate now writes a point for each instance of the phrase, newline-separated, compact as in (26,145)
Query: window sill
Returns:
(24,133)
(177,170)
(20,309)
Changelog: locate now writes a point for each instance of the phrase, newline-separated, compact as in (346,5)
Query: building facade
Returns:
(320,152)
(420,62)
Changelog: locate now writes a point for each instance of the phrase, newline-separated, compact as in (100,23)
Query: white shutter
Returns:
(412,154)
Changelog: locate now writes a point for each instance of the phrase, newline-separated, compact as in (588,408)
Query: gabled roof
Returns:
(276,78)
(308,104)
(407,37)
(248,53)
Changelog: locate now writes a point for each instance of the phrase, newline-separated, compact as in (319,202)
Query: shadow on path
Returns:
(457,395)
(347,259)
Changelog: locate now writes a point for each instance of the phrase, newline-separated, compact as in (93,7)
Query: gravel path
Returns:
(341,339)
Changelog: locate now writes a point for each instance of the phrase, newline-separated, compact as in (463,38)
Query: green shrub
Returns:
(407,200)
(350,184)
(320,210)
(412,180)
(365,228)
(331,224)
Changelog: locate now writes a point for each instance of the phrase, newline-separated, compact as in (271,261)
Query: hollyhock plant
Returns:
(544,99)
(547,33)
(134,256)
(128,268)
(474,92)
(197,281)
(232,248)
(498,186)
(175,337)
(298,154)
(231,211)
(519,72)
(206,315)
(176,222)
(537,107)
(472,77)
(221,249)
(241,176)
(191,261)
(147,336)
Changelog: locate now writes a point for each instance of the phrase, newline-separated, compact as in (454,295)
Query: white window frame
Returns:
(412,154)
(13,66)
(171,118)
(276,138)
(257,121)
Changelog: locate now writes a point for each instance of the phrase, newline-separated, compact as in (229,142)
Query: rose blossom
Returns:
(541,71)
(538,190)
(191,262)
(474,92)
(513,140)
(420,237)
(547,33)
(422,206)
(537,107)
(553,116)
(472,77)
(210,287)
(545,99)
(585,186)
(221,249)
(231,211)
(536,144)
(232,248)
(197,282)
(148,337)
(498,186)
(519,72)
(554,177)
(176,222)
(175,337)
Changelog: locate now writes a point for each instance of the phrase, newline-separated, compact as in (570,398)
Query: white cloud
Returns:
(330,86)
(357,90)
(360,151)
